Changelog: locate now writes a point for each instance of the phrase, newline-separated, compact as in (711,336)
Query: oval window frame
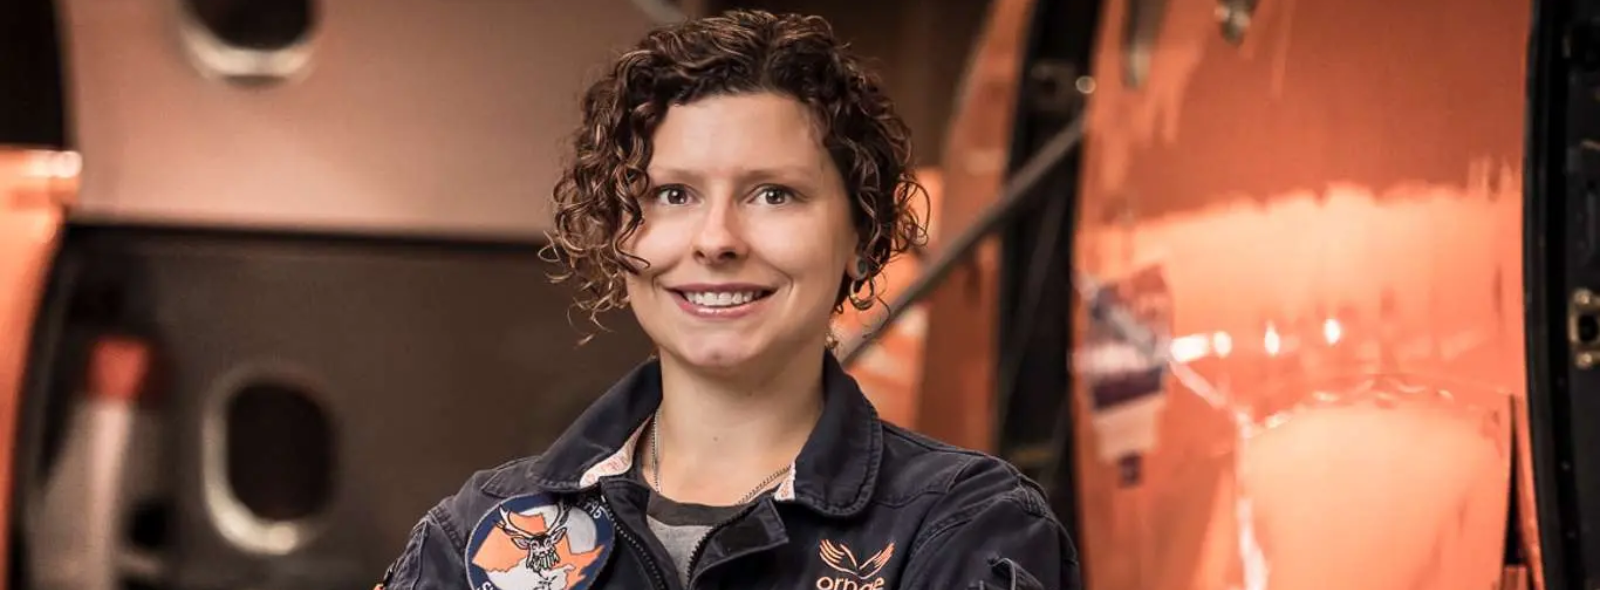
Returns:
(218,59)
(229,516)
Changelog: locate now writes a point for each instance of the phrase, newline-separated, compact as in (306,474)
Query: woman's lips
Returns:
(720,301)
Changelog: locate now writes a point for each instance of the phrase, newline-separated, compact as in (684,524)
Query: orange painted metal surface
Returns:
(1326,218)
(956,393)
(33,184)
(890,369)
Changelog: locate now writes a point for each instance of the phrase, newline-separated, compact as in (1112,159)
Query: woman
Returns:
(737,180)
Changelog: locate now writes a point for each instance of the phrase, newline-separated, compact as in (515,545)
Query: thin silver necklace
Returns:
(655,461)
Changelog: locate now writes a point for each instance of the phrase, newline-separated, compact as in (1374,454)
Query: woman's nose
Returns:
(720,237)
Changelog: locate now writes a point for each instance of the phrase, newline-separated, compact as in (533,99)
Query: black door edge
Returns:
(1558,259)
(1033,380)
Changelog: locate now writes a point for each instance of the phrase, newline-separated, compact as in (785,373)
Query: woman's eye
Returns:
(775,196)
(672,195)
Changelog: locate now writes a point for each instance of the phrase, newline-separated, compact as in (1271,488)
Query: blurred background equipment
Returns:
(323,219)
(76,527)
(323,392)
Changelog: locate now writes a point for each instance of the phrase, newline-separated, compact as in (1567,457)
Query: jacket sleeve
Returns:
(431,559)
(994,531)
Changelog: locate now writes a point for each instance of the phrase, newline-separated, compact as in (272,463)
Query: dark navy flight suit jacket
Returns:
(867,506)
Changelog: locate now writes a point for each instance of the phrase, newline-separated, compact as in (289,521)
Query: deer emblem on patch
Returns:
(537,542)
(541,547)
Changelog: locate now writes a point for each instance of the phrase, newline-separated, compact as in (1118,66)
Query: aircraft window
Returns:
(254,24)
(248,42)
(279,451)
(269,466)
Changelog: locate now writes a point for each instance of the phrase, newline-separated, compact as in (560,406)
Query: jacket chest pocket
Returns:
(1007,576)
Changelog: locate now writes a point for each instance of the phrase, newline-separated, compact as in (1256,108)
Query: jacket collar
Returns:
(835,473)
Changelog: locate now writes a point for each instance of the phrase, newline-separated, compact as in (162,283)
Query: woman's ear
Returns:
(859,268)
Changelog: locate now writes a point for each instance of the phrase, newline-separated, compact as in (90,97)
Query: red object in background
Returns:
(34,185)
(1335,201)
(1332,193)
(120,368)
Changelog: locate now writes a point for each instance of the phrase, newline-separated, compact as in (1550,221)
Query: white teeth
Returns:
(721,299)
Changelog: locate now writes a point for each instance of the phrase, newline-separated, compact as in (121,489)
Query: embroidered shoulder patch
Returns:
(534,542)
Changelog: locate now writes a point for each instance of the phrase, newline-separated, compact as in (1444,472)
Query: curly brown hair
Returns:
(741,51)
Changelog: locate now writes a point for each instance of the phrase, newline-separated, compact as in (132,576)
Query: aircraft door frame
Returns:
(1562,261)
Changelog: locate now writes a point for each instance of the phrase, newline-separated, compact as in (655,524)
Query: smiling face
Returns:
(747,233)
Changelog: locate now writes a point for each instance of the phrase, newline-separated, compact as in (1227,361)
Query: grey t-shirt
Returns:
(681,527)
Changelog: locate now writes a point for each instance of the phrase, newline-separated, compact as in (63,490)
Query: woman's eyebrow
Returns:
(789,172)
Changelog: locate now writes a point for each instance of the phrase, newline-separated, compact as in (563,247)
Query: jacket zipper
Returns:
(657,580)
(694,557)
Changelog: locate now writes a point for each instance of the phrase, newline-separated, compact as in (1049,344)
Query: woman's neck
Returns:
(719,438)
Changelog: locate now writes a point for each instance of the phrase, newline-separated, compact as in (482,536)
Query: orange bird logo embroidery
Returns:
(839,557)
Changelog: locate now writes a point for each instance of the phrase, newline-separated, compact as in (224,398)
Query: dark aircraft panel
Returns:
(319,395)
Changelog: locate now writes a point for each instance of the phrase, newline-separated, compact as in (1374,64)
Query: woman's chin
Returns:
(713,355)
(717,359)
(731,354)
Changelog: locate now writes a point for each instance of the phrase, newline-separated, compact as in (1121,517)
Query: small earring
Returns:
(860,269)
